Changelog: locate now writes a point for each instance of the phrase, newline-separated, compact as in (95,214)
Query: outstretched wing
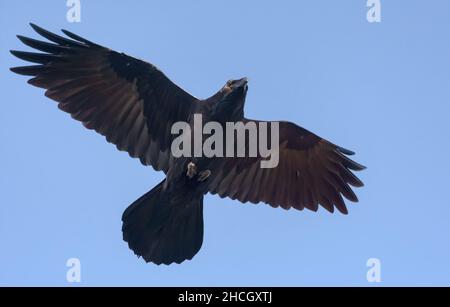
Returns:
(129,101)
(311,172)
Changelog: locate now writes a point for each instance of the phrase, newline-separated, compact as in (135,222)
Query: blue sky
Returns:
(382,90)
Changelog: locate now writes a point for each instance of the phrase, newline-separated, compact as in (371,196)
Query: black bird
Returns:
(134,105)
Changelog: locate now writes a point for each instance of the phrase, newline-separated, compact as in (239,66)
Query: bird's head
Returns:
(236,88)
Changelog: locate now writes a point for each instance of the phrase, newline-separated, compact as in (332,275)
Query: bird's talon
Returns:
(191,170)
(203,175)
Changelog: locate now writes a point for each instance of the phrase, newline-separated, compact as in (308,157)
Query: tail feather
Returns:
(163,231)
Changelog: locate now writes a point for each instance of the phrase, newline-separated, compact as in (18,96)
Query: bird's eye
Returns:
(228,88)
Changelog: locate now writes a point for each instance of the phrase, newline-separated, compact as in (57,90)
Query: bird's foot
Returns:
(203,175)
(191,170)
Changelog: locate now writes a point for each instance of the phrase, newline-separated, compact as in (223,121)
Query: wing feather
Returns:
(127,100)
(311,172)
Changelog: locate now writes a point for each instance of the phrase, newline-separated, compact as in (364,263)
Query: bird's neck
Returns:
(225,109)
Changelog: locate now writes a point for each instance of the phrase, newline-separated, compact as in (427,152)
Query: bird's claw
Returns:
(203,175)
(191,170)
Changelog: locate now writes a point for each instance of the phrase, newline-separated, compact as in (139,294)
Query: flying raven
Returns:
(134,105)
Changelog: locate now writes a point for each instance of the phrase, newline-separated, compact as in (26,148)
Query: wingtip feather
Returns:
(345,151)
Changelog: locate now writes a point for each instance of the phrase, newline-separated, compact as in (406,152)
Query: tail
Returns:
(163,231)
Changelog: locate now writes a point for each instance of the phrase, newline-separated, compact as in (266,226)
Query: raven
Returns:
(134,105)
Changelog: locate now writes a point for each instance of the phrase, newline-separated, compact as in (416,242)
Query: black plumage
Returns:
(134,105)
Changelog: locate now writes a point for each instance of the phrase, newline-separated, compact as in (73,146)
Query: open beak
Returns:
(242,82)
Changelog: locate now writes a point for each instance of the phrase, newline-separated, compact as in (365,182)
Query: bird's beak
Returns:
(242,82)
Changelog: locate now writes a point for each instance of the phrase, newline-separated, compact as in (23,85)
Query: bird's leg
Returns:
(203,175)
(191,170)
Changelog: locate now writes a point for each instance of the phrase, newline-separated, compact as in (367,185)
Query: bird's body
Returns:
(135,106)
